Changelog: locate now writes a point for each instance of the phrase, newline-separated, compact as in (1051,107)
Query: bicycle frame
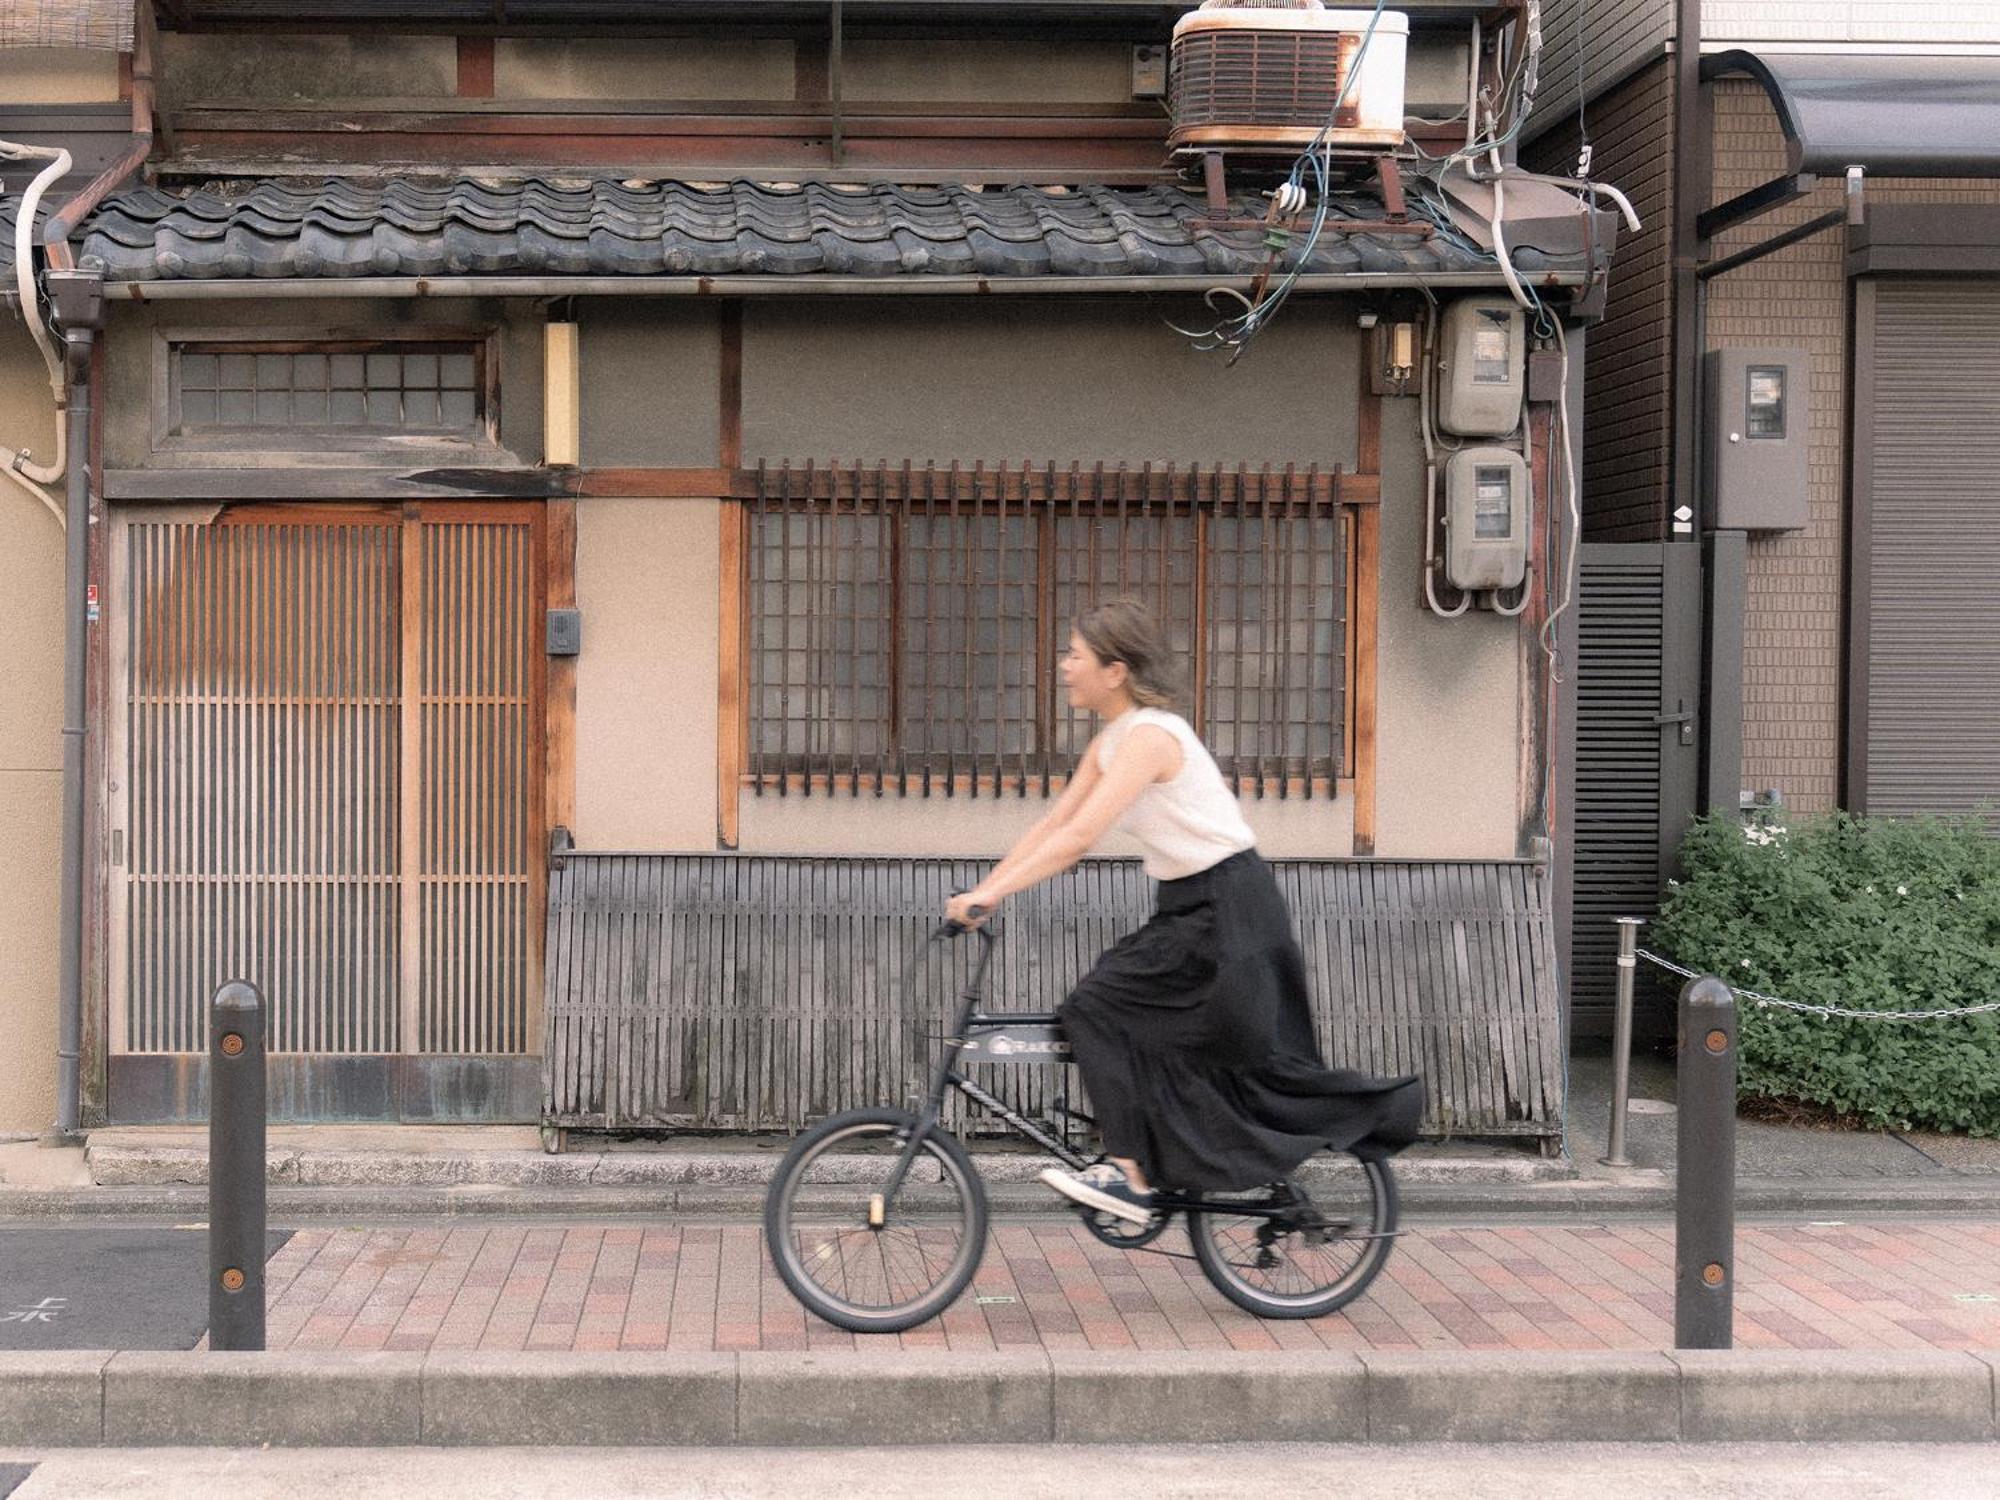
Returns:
(969,1022)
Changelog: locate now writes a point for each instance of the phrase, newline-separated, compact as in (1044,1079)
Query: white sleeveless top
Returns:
(1185,825)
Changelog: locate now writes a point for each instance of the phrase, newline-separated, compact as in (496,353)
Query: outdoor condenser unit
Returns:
(1265,75)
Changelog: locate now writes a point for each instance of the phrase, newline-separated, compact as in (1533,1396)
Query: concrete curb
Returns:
(290,1399)
(161,1165)
(1587,1198)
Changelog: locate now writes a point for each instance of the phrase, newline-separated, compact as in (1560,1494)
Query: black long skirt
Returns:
(1196,1043)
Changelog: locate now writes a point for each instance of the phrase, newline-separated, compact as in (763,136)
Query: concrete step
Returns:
(419,1157)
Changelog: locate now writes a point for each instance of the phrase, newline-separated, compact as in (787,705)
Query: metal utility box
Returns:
(1486,519)
(1482,367)
(1758,426)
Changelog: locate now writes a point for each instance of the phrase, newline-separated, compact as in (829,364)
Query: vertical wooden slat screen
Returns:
(755,992)
(475,713)
(906,623)
(261,770)
(267,838)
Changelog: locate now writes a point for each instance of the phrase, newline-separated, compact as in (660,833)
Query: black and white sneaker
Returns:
(1103,1187)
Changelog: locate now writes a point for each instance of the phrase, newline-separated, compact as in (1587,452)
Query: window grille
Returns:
(905,623)
(429,388)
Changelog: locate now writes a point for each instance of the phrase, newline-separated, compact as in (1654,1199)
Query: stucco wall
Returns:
(1448,732)
(1794,621)
(649,375)
(1027,378)
(646,581)
(989,72)
(216,67)
(31,542)
(57,75)
(641,68)
(949,380)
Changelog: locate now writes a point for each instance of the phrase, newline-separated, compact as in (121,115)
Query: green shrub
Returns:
(1873,914)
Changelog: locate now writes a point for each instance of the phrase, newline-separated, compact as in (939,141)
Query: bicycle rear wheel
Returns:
(862,1270)
(1301,1255)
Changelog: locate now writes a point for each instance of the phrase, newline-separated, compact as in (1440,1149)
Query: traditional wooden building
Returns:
(581,518)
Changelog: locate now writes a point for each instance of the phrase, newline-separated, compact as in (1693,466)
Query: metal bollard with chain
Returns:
(1844,1012)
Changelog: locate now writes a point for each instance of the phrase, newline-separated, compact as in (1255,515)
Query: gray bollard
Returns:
(236,1168)
(1705,1185)
(1621,1042)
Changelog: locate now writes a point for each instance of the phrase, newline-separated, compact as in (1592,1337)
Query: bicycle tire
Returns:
(786,1207)
(1226,1270)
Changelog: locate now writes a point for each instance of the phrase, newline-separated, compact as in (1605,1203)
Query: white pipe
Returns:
(1575,507)
(13,472)
(21,467)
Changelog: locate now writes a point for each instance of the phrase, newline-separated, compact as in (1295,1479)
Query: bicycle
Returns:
(876,1219)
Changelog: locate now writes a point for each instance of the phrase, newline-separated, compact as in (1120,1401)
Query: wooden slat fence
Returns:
(736,992)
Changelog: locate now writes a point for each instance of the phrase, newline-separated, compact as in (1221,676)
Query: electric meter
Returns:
(1485,519)
(1482,367)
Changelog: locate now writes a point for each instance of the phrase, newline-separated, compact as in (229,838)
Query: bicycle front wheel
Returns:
(859,1260)
(1290,1254)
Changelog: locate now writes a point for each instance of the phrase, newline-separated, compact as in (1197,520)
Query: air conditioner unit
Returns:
(1254,75)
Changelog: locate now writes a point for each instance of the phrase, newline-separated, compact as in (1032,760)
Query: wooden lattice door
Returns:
(329,783)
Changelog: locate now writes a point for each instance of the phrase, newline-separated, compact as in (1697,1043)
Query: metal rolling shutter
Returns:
(1925,705)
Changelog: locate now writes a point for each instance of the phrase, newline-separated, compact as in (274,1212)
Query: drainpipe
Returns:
(79,305)
(78,297)
(1724,558)
(56,233)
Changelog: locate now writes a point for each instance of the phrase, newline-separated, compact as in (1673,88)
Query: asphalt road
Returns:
(105,1286)
(1604,1471)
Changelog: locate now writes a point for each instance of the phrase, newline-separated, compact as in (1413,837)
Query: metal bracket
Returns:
(1759,200)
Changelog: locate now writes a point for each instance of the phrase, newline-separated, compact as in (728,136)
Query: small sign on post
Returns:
(1705,1169)
(236,1168)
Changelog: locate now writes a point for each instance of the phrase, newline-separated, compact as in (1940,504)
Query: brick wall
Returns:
(1794,616)
(1628,370)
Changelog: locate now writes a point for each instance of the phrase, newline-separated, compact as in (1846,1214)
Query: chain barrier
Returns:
(1766,1002)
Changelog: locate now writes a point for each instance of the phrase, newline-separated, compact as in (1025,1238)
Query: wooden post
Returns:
(1367,596)
(732,704)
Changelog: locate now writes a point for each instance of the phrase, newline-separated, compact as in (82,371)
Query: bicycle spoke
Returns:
(865,1269)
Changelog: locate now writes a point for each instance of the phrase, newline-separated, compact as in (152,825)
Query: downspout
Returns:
(1724,559)
(62,223)
(78,297)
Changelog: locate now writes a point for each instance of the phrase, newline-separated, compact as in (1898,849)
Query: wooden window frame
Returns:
(323,447)
(1354,496)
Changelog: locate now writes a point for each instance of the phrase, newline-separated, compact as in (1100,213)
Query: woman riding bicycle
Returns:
(1193,1035)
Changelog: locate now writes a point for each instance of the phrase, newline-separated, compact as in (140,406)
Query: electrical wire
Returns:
(1235,333)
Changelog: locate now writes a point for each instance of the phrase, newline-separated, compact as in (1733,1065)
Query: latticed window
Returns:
(905,624)
(428,387)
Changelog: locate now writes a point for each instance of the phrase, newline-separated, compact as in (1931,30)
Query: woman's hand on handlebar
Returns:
(968,909)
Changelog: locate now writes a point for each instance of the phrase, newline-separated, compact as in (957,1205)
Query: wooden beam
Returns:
(475,67)
(1367,600)
(732,703)
(559,769)
(1029,484)
(556,734)
(729,431)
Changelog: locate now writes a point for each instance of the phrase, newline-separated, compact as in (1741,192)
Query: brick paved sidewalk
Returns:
(1048,1284)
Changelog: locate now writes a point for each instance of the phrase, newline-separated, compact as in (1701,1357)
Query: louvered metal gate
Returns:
(1924,661)
(1638,693)
(327,782)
